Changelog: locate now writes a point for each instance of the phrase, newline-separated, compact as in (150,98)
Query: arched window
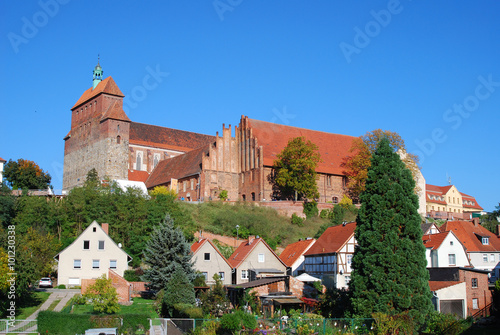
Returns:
(155,161)
(118,139)
(138,162)
(335,200)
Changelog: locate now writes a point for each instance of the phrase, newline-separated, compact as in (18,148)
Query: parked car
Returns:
(45,282)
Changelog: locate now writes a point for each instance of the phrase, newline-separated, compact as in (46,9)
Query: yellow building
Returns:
(446,202)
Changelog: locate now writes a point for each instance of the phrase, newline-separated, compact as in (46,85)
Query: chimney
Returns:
(475,221)
(251,238)
(105,227)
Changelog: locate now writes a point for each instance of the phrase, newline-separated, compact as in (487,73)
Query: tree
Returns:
(214,302)
(389,265)
(43,246)
(490,220)
(356,165)
(180,290)
(103,296)
(166,250)
(295,169)
(25,174)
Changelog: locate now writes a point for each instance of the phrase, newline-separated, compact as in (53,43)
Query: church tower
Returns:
(99,135)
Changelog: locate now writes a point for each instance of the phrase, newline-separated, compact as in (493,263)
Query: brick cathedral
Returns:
(197,166)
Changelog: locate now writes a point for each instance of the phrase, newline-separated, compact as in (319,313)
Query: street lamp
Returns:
(237,227)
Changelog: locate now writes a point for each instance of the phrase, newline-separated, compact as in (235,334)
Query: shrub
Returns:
(133,275)
(62,286)
(223,195)
(324,214)
(55,323)
(393,324)
(445,324)
(102,295)
(236,321)
(134,322)
(297,220)
(310,209)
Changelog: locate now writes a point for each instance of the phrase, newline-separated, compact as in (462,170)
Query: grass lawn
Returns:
(140,305)
(38,298)
(53,304)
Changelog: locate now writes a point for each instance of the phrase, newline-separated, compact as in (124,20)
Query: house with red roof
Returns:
(330,257)
(449,297)
(444,250)
(293,255)
(446,202)
(208,260)
(482,246)
(254,259)
(2,162)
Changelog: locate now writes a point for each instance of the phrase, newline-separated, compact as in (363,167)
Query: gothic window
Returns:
(118,139)
(138,162)
(253,196)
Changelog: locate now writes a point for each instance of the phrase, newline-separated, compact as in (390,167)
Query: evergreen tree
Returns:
(166,250)
(180,290)
(389,266)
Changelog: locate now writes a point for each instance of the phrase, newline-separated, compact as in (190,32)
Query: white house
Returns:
(90,256)
(444,250)
(449,297)
(330,257)
(209,261)
(2,162)
(293,255)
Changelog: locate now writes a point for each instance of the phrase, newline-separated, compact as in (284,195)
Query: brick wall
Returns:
(124,289)
(482,292)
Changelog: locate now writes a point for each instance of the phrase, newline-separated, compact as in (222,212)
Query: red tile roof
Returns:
(242,252)
(470,236)
(434,240)
(293,251)
(2,160)
(115,112)
(167,138)
(472,199)
(333,239)
(438,285)
(197,245)
(135,175)
(177,167)
(107,86)
(274,137)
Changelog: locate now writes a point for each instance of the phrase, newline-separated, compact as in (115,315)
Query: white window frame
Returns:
(492,258)
(485,258)
(205,274)
(111,264)
(349,258)
(452,259)
(99,245)
(475,303)
(485,240)
(261,258)
(75,261)
(244,274)
(221,275)
(94,262)
(474,283)
(205,257)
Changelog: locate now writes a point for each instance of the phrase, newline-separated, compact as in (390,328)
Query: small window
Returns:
(207,256)
(112,264)
(86,245)
(77,264)
(347,279)
(244,274)
(492,258)
(349,259)
(474,282)
(118,139)
(335,200)
(156,160)
(101,245)
(205,275)
(94,229)
(253,196)
(451,242)
(485,258)
(221,275)
(451,259)
(485,240)
(475,304)
(192,184)
(261,258)
(138,163)
(95,264)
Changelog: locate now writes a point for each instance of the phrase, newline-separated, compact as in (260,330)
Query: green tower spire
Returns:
(97,74)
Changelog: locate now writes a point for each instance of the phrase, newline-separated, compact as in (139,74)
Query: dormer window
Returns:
(485,240)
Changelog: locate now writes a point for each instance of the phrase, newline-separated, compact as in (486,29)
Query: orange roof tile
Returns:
(242,252)
(2,160)
(135,175)
(177,167)
(470,198)
(115,112)
(107,86)
(438,285)
(274,137)
(293,251)
(434,240)
(155,136)
(470,236)
(333,239)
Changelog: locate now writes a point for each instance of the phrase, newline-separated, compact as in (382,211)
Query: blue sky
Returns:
(425,69)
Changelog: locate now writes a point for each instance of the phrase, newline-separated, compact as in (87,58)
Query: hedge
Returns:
(56,323)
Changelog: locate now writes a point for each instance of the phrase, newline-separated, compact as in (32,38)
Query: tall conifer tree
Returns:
(389,265)
(166,250)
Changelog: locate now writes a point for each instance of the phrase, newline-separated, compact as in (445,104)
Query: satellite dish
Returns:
(119,245)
